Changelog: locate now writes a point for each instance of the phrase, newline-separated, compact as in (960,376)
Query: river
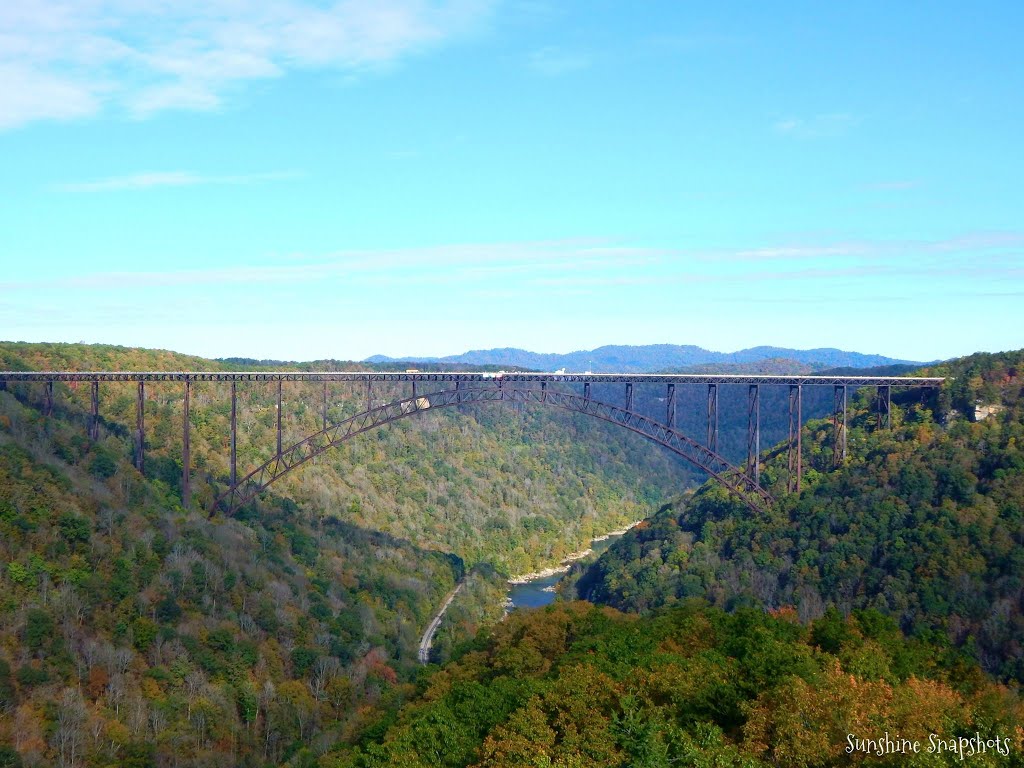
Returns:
(531,593)
(541,591)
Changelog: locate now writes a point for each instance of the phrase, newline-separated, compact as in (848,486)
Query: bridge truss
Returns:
(462,388)
(261,477)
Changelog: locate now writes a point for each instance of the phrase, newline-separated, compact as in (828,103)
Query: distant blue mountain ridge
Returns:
(652,357)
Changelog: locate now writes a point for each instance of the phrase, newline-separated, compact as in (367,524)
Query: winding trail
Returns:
(428,636)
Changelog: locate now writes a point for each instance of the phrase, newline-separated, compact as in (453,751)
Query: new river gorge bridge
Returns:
(428,391)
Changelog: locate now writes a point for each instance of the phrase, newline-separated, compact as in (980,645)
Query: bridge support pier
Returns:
(94,413)
(186,458)
(839,425)
(234,434)
(323,410)
(369,394)
(140,428)
(754,434)
(414,389)
(629,396)
(279,384)
(712,441)
(796,420)
(883,399)
(48,409)
(670,407)
(543,391)
(586,390)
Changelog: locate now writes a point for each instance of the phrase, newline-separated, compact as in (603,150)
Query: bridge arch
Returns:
(333,435)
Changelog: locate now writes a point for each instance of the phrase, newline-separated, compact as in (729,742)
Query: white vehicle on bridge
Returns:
(419,404)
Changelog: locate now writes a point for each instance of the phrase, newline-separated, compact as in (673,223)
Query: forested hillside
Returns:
(924,523)
(580,685)
(134,632)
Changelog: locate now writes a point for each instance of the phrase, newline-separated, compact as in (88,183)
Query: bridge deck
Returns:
(488,377)
(705,457)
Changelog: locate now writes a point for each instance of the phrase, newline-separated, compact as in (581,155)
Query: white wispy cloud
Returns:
(978,259)
(464,262)
(66,59)
(816,126)
(169,179)
(29,94)
(969,244)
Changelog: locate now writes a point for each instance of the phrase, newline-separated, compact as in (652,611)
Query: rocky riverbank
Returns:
(567,562)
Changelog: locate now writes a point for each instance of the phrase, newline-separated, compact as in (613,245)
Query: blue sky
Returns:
(298,179)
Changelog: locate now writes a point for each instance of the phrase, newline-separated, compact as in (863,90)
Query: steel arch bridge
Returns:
(464,388)
(246,489)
